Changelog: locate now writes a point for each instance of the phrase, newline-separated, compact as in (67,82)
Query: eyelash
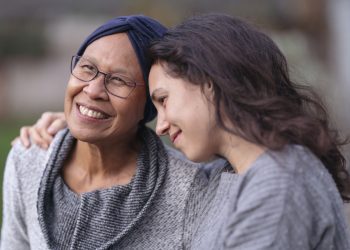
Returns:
(162,99)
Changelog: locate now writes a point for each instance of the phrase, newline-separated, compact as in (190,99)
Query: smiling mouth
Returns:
(174,136)
(85,111)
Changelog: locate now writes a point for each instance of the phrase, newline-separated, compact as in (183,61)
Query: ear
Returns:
(209,86)
(208,90)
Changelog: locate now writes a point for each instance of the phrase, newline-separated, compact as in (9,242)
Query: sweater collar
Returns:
(102,217)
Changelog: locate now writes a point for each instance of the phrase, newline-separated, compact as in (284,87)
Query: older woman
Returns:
(106,182)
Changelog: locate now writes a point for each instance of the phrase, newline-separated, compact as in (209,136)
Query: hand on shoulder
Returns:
(43,131)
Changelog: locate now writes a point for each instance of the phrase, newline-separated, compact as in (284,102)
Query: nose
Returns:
(162,126)
(95,89)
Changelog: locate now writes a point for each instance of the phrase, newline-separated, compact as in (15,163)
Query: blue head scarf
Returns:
(141,31)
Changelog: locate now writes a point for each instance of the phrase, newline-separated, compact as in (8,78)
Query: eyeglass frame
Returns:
(75,59)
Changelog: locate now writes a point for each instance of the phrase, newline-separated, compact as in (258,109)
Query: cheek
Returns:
(68,105)
(73,89)
(201,119)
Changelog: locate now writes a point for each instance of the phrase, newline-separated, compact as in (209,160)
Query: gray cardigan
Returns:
(159,227)
(285,200)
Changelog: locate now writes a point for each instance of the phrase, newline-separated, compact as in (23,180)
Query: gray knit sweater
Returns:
(285,200)
(40,212)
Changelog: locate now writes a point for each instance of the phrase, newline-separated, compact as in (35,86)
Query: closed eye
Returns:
(159,97)
(120,81)
(116,80)
(87,67)
(162,100)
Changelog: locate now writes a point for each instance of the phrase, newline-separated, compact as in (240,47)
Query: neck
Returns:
(240,153)
(96,166)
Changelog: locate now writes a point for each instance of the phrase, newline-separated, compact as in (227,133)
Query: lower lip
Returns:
(87,118)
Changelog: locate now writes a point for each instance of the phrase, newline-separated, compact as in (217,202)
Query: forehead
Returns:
(160,80)
(115,42)
(114,53)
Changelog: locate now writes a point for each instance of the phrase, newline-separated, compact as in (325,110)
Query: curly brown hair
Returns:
(252,87)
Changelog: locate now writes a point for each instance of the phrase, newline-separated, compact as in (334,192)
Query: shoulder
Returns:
(183,174)
(181,163)
(294,163)
(27,164)
(295,181)
(286,199)
(23,161)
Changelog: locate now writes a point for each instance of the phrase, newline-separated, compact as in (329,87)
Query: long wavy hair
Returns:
(252,87)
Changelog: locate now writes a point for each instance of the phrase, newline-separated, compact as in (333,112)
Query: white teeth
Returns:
(91,113)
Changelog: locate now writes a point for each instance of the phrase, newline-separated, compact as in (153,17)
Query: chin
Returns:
(81,135)
(195,157)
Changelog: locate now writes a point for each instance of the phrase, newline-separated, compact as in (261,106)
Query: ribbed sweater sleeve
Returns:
(285,200)
(271,213)
(14,231)
(279,209)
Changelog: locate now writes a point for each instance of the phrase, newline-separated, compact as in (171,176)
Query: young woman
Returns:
(221,88)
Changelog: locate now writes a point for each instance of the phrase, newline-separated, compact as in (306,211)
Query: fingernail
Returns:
(50,130)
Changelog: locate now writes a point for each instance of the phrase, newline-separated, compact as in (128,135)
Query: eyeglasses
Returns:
(116,84)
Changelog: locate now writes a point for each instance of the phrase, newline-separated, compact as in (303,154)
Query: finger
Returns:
(45,121)
(60,115)
(41,131)
(24,136)
(45,136)
(39,139)
(56,126)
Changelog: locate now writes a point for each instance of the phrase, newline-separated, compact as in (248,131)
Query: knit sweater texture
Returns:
(285,200)
(41,212)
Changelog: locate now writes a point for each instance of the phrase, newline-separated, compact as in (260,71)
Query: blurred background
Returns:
(38,38)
